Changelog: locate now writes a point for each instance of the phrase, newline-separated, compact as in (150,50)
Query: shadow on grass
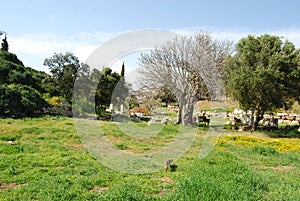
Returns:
(282,132)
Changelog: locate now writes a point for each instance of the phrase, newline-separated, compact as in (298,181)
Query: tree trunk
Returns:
(188,114)
(258,115)
(187,109)
(180,112)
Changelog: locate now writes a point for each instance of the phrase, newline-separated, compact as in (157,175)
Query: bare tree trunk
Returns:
(258,115)
(180,112)
(189,109)
(188,115)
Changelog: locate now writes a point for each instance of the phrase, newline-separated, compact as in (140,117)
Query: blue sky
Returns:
(37,29)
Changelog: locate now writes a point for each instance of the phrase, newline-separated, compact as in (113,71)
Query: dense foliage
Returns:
(20,101)
(20,88)
(4,45)
(25,92)
(264,74)
(63,69)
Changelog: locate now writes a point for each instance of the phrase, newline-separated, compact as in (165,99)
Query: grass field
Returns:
(48,162)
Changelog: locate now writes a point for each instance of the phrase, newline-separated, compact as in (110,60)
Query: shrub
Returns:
(20,101)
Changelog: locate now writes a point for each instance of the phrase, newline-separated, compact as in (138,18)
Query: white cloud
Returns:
(236,33)
(83,52)
(32,49)
(293,35)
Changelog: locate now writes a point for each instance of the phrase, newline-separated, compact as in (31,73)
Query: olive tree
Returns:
(263,74)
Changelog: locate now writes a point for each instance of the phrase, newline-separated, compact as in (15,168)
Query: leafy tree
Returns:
(20,87)
(64,69)
(20,101)
(4,44)
(10,105)
(12,71)
(132,102)
(10,57)
(121,90)
(36,80)
(107,82)
(9,70)
(123,71)
(4,71)
(264,74)
(165,95)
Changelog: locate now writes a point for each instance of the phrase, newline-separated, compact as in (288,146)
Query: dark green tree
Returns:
(107,82)
(20,101)
(12,71)
(9,65)
(264,74)
(64,69)
(123,71)
(165,95)
(4,44)
(121,90)
(20,88)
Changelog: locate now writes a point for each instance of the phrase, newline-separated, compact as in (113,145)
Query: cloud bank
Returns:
(32,49)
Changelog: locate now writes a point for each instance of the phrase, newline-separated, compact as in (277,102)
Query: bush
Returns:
(20,101)
(10,57)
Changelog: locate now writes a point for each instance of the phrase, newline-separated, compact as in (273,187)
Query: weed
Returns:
(265,151)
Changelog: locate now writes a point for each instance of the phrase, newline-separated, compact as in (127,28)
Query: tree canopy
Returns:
(110,87)
(20,88)
(4,44)
(63,69)
(264,74)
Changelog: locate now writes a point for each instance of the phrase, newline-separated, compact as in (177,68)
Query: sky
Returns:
(38,28)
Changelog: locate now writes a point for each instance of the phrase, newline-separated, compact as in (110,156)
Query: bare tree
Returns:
(208,60)
(183,65)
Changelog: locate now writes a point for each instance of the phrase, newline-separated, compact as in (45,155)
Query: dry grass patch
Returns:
(166,180)
(99,189)
(12,185)
(76,146)
(277,168)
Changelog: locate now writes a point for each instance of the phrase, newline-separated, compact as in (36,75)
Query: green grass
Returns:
(48,162)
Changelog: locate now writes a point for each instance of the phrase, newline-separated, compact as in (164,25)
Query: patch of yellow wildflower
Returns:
(280,145)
